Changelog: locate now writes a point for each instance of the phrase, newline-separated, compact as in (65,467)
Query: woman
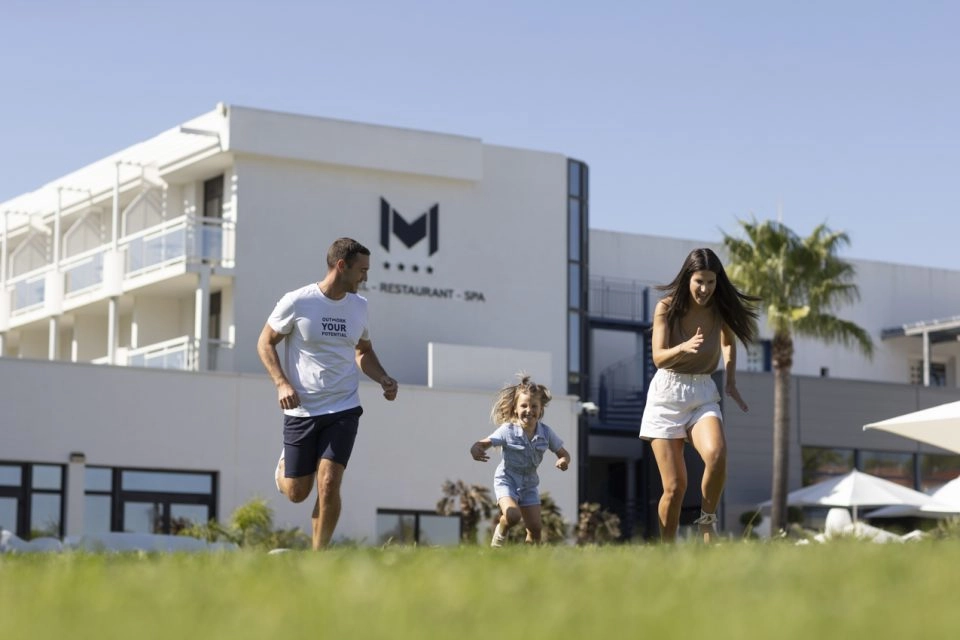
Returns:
(699,318)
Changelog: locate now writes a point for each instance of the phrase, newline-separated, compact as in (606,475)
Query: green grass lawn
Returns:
(846,589)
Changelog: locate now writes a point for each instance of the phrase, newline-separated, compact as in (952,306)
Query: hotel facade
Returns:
(132,292)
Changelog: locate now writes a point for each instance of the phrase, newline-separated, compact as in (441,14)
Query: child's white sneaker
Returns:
(498,537)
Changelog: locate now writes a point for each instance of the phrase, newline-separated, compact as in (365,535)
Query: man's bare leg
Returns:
(326,510)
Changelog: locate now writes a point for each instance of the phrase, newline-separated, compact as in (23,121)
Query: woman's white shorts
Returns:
(676,402)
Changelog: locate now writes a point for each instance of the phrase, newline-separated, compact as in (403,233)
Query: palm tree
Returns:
(801,281)
(472,502)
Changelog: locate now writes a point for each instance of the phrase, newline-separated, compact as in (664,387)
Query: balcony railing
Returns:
(83,271)
(28,289)
(619,299)
(176,353)
(187,239)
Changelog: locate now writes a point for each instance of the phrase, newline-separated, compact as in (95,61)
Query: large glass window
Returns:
(10,475)
(573,331)
(820,463)
(889,465)
(575,293)
(937,470)
(401,526)
(167,481)
(31,499)
(922,471)
(575,231)
(577,275)
(8,513)
(144,501)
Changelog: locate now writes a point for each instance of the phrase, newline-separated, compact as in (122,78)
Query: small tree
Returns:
(553,528)
(472,502)
(251,526)
(596,525)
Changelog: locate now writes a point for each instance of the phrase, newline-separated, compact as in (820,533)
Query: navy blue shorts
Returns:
(306,440)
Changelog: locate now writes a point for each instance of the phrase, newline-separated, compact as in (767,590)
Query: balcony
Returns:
(173,246)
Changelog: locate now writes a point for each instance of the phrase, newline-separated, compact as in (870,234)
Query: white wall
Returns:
(504,237)
(458,367)
(230,424)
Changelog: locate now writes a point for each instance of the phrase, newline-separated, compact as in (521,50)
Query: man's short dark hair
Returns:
(346,249)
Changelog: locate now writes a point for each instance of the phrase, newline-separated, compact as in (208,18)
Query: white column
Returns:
(4,294)
(3,254)
(926,358)
(113,321)
(53,339)
(75,489)
(201,309)
(113,311)
(115,237)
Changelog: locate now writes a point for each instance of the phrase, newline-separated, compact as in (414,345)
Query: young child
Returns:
(523,440)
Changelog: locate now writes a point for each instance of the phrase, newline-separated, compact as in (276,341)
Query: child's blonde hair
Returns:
(503,408)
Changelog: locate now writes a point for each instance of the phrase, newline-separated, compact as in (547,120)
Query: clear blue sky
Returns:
(690,114)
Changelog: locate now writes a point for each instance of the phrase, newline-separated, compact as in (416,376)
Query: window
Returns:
(758,356)
(31,499)
(213,197)
(938,373)
(889,465)
(577,275)
(97,499)
(403,526)
(146,501)
(820,463)
(937,470)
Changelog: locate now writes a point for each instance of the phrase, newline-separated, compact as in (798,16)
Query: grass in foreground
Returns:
(840,590)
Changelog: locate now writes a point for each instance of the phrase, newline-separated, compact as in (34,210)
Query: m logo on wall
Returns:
(409,233)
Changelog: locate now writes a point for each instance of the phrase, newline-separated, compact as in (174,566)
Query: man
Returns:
(324,326)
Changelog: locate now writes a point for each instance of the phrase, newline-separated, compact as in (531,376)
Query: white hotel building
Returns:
(132,292)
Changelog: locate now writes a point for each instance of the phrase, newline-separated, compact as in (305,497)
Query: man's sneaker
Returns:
(278,473)
(498,537)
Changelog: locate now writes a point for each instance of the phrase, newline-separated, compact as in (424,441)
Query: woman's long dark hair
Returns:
(737,310)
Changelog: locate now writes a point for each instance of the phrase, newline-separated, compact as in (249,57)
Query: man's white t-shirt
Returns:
(320,348)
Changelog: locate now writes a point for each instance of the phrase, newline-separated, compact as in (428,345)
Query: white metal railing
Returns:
(619,299)
(191,238)
(155,247)
(219,355)
(181,353)
(186,238)
(28,289)
(83,271)
(176,353)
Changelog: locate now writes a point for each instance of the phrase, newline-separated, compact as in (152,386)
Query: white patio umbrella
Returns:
(939,426)
(855,489)
(944,503)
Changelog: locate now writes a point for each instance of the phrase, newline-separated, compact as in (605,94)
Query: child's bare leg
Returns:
(531,520)
(509,516)
(509,513)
